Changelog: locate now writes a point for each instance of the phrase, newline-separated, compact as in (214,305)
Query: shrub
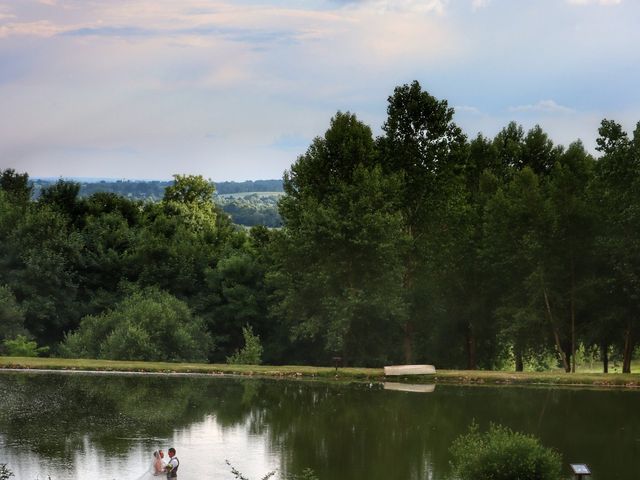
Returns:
(251,353)
(148,325)
(501,454)
(21,346)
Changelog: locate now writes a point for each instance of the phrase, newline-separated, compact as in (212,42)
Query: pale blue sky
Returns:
(235,90)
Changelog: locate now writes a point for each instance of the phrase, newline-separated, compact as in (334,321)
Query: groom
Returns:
(173,464)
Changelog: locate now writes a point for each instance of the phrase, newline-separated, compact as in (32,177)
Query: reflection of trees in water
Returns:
(39,411)
(341,431)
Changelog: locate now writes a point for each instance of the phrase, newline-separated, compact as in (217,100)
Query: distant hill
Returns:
(248,203)
(154,189)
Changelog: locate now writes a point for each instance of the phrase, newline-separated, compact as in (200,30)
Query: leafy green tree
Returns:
(514,223)
(235,295)
(147,325)
(63,197)
(40,258)
(423,147)
(339,285)
(618,206)
(568,262)
(16,186)
(191,198)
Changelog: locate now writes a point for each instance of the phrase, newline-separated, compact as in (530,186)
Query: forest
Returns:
(419,245)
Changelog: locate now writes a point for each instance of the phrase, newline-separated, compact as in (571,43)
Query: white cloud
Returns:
(478,4)
(595,2)
(415,6)
(544,106)
(467,109)
(42,28)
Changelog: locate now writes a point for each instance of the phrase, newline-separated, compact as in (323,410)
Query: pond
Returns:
(91,427)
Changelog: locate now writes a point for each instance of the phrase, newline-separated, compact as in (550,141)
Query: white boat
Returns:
(409,387)
(410,370)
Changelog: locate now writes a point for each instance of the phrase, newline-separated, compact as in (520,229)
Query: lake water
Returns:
(86,427)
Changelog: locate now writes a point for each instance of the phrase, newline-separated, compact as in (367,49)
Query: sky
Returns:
(237,90)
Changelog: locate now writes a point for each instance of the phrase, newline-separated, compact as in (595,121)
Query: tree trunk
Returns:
(628,350)
(407,343)
(573,319)
(519,360)
(605,357)
(556,335)
(472,362)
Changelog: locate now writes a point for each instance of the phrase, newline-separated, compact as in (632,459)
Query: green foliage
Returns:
(21,346)
(147,325)
(251,353)
(340,249)
(11,315)
(415,246)
(501,454)
(5,473)
(238,475)
(16,186)
(306,474)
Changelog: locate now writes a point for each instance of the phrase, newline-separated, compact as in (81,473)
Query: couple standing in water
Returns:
(160,467)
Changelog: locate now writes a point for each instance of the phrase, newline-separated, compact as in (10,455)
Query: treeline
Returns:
(154,189)
(420,245)
(252,209)
(246,210)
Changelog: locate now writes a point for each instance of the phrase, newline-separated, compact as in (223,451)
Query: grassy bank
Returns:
(358,374)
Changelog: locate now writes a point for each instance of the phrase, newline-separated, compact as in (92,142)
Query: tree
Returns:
(16,186)
(340,278)
(422,146)
(515,218)
(40,258)
(618,207)
(63,197)
(568,262)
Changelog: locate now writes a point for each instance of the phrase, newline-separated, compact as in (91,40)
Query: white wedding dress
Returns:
(156,470)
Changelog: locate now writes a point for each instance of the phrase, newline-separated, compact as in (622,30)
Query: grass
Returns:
(356,374)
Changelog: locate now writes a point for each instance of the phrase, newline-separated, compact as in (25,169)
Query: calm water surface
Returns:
(86,427)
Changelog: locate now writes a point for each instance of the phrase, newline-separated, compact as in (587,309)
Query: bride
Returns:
(157,467)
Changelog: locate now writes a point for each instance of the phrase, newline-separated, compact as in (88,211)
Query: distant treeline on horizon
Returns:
(154,189)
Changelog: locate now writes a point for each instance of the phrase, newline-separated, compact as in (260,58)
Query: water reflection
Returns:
(104,427)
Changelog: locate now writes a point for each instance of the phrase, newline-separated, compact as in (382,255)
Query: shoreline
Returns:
(455,377)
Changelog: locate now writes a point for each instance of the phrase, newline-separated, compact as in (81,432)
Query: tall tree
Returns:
(616,186)
(422,146)
(340,282)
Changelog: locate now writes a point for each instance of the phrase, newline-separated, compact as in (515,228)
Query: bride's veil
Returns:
(150,473)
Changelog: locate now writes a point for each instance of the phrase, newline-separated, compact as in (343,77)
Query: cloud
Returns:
(43,28)
(595,2)
(478,4)
(415,6)
(544,106)
(467,109)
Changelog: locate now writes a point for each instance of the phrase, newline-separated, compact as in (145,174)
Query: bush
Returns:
(251,353)
(21,346)
(148,325)
(501,454)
